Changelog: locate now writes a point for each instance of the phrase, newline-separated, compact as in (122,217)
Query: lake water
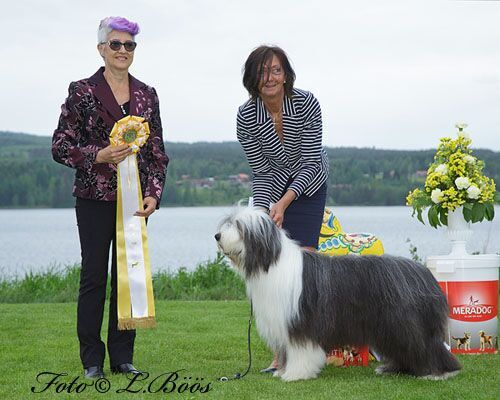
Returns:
(37,239)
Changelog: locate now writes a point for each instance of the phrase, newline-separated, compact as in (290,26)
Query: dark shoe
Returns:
(126,368)
(273,367)
(94,372)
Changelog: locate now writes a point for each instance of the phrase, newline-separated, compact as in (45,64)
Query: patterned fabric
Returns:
(86,120)
(301,156)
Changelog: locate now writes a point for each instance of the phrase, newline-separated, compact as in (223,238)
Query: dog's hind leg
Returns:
(303,361)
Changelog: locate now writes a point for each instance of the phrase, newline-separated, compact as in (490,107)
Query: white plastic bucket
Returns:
(470,283)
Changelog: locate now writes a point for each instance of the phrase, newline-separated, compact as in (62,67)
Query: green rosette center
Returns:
(129,136)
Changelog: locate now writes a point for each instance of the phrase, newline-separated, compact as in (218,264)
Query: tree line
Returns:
(358,176)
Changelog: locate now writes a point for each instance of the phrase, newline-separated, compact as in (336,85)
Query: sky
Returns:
(389,74)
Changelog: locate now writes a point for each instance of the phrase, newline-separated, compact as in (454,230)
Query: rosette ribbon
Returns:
(136,307)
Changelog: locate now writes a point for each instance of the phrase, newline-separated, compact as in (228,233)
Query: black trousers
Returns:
(97,229)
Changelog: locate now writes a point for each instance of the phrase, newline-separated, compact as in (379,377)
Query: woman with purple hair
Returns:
(81,141)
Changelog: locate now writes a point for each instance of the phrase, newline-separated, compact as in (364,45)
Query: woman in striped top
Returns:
(280,130)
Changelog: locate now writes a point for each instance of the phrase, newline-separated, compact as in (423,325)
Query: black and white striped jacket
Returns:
(301,156)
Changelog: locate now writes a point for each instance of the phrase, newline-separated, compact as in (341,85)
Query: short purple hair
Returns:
(118,24)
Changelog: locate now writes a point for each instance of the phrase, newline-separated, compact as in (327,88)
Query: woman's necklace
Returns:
(277,119)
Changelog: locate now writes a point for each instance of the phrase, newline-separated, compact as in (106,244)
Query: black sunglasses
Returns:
(116,45)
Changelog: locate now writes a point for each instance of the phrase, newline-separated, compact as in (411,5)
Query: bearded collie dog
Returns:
(306,303)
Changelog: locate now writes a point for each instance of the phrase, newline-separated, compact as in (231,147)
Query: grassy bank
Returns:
(206,340)
(213,280)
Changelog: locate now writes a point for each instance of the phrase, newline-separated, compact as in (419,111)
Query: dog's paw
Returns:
(279,372)
(290,376)
(440,377)
(384,369)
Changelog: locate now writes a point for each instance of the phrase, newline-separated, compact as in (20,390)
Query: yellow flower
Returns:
(452,199)
(411,196)
(488,190)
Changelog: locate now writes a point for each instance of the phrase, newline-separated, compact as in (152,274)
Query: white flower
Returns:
(442,169)
(460,126)
(473,192)
(463,134)
(462,182)
(469,159)
(437,196)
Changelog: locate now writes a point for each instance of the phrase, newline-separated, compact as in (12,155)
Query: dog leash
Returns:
(238,375)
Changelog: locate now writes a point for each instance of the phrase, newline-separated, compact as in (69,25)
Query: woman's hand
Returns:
(277,211)
(150,207)
(113,154)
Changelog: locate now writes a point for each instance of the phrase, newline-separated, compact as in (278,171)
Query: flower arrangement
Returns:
(455,179)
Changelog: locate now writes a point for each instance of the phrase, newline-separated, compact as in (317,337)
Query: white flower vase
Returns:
(459,232)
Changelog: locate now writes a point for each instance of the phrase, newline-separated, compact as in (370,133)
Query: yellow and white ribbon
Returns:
(135,287)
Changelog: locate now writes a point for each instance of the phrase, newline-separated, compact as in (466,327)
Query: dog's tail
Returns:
(443,364)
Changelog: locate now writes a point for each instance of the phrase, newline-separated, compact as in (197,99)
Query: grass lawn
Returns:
(206,339)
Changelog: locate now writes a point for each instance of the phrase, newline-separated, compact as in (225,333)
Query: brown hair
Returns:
(255,63)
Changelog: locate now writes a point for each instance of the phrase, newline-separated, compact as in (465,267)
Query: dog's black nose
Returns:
(217,236)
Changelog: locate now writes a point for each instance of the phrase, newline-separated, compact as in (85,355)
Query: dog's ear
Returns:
(239,227)
(262,242)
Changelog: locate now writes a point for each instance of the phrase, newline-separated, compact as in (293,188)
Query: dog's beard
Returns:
(234,256)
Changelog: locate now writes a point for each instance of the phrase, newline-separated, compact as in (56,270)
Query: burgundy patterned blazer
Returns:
(87,118)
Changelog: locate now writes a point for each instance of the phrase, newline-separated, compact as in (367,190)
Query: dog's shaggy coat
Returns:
(306,304)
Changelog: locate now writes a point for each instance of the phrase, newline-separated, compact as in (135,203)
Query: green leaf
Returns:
(490,211)
(443,216)
(433,217)
(467,213)
(468,206)
(419,215)
(478,212)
